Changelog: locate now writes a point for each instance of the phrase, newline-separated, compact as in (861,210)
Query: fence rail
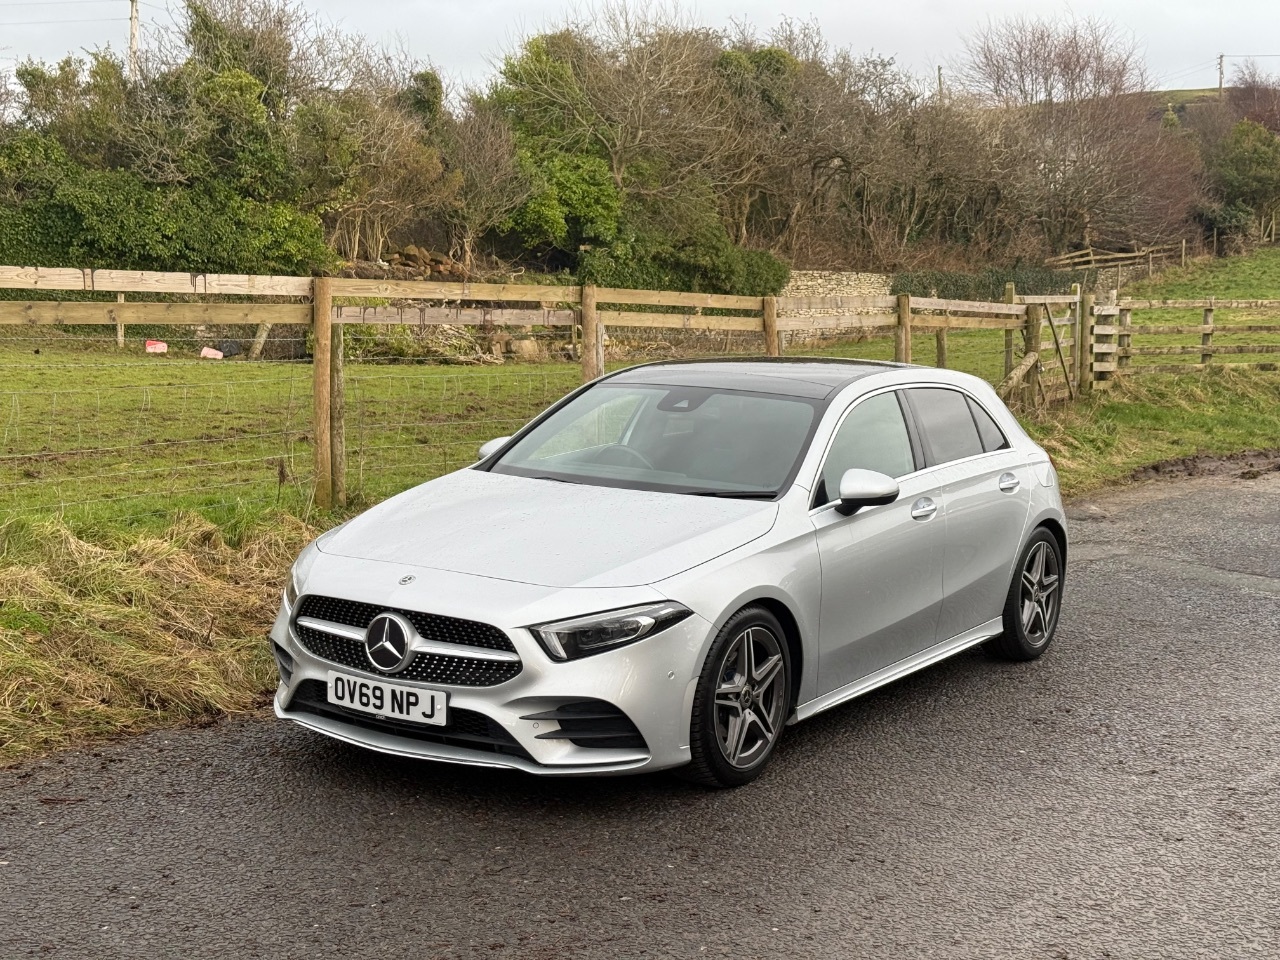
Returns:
(329,308)
(1113,330)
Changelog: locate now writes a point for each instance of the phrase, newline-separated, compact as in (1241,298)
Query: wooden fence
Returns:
(1113,330)
(1091,259)
(587,311)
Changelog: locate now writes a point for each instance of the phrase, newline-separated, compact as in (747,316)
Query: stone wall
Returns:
(830,283)
(837,283)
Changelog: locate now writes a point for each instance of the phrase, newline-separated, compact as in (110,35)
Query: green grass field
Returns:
(108,438)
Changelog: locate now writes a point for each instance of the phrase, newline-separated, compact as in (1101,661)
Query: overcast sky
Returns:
(1182,38)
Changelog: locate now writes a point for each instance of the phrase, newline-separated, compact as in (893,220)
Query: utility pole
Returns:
(1221,72)
(133,41)
(939,81)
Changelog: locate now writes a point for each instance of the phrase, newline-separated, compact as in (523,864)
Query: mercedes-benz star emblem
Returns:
(386,642)
(407,579)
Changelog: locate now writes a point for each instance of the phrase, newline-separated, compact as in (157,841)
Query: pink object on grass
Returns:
(157,346)
(211,354)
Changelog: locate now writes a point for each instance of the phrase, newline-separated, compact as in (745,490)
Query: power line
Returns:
(47,23)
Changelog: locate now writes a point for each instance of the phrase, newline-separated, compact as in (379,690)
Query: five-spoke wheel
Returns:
(744,695)
(749,699)
(1035,597)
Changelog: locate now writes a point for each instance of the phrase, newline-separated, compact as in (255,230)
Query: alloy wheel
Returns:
(1040,579)
(750,697)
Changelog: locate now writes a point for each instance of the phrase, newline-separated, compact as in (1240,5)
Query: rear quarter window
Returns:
(946,423)
(992,436)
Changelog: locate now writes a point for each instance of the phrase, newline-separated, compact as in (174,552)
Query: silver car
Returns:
(672,564)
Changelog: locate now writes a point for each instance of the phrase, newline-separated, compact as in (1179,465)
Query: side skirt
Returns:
(895,671)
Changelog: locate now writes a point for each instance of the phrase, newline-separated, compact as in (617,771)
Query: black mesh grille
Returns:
(431,626)
(465,728)
(284,662)
(592,723)
(459,671)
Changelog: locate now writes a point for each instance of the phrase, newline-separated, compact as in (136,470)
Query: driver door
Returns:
(882,567)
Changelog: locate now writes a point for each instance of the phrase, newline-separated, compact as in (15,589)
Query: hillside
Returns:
(1254,276)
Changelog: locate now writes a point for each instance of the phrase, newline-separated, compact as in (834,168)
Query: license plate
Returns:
(389,700)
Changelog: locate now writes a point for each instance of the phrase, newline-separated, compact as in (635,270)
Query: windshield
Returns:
(695,440)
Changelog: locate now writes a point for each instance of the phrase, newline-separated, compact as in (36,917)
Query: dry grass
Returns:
(1150,419)
(102,639)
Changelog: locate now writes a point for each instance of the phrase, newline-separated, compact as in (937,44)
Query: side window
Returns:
(947,424)
(993,437)
(872,437)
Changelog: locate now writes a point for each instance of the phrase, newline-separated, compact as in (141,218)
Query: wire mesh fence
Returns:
(134,419)
(96,430)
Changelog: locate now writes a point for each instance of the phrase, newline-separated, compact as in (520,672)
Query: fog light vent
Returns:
(591,723)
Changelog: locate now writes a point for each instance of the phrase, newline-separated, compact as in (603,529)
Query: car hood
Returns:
(548,533)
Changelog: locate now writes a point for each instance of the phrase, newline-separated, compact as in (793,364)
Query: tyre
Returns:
(1034,601)
(743,700)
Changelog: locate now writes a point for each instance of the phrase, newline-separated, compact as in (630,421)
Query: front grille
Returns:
(459,671)
(431,626)
(466,728)
(591,723)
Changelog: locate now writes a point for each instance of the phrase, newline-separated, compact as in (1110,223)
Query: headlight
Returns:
(583,636)
(291,590)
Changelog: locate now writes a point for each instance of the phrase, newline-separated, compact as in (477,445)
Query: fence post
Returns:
(1031,344)
(941,337)
(1085,372)
(259,341)
(592,340)
(119,326)
(1077,333)
(902,345)
(1010,296)
(337,417)
(321,365)
(772,345)
(1125,339)
(1206,336)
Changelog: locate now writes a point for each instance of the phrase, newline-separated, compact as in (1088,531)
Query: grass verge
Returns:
(122,635)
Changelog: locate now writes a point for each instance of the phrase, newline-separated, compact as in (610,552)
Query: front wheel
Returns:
(742,702)
(1035,598)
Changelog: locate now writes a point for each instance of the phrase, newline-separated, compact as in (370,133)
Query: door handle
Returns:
(923,509)
(1009,483)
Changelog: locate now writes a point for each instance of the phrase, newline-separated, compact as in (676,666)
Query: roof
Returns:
(798,376)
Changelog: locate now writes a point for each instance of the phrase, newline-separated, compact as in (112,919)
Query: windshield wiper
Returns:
(558,480)
(735,494)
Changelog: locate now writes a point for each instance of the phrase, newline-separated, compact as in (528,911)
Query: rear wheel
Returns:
(742,701)
(1035,598)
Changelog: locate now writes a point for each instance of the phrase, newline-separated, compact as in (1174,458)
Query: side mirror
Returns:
(487,450)
(865,488)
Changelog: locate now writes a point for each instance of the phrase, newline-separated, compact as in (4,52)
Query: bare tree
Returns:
(1083,155)
(637,83)
(480,153)
(1255,95)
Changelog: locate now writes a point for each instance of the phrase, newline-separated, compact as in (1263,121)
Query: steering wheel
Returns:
(603,456)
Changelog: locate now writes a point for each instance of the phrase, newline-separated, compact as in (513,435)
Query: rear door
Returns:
(986,495)
(881,567)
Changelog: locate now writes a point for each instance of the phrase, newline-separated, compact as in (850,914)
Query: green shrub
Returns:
(987,285)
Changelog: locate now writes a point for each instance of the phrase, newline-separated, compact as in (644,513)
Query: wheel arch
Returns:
(1056,528)
(791,636)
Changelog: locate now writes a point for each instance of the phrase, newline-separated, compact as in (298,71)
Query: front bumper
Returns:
(650,681)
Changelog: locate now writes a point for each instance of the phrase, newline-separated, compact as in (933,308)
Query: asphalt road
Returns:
(1118,798)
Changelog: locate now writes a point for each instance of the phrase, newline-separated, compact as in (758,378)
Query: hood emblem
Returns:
(407,579)
(386,642)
